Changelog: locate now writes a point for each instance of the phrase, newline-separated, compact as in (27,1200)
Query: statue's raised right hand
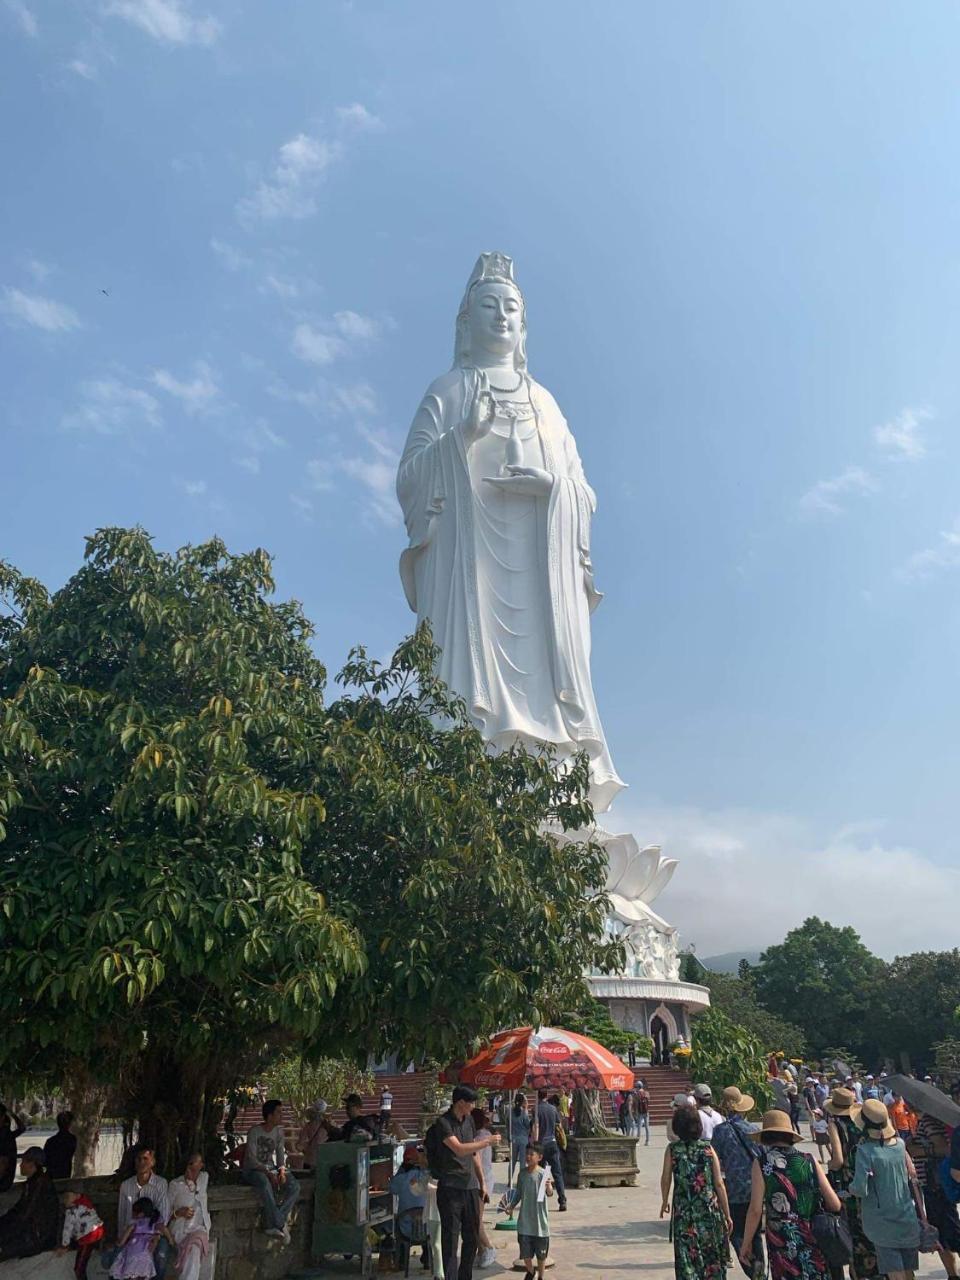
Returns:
(479,417)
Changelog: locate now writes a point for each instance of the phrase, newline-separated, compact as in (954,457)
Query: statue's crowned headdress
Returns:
(495,268)
(492,266)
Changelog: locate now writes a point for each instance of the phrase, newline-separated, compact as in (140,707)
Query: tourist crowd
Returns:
(886,1184)
(883,1185)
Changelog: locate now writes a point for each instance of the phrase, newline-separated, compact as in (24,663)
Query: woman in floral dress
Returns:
(845,1136)
(792,1186)
(701,1222)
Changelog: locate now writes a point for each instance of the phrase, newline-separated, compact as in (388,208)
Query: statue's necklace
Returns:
(508,391)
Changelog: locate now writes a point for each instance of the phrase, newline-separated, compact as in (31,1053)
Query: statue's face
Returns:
(495,316)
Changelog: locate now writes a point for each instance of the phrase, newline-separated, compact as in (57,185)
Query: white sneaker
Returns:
(275,1233)
(286,1235)
(487,1259)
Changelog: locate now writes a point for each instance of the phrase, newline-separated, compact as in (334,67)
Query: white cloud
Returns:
(378,476)
(728,893)
(109,407)
(281,286)
(291,189)
(324,345)
(231,257)
(303,507)
(290,192)
(86,70)
(24,17)
(374,470)
(38,269)
(199,395)
(827,497)
(255,441)
(359,399)
(320,474)
(311,399)
(168,21)
(356,116)
(315,347)
(42,313)
(356,327)
(943,555)
(194,488)
(901,438)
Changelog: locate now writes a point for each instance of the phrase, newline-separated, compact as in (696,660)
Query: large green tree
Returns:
(919,1004)
(203,862)
(737,998)
(823,979)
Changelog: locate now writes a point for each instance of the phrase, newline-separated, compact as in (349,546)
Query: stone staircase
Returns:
(408,1089)
(662,1083)
(408,1092)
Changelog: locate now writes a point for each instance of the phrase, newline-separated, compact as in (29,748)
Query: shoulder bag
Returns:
(929,1236)
(831,1232)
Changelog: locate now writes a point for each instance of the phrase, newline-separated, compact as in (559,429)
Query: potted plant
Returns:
(680,1053)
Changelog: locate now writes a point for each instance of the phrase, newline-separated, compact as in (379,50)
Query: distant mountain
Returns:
(729,962)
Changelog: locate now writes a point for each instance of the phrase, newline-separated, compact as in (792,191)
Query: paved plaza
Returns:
(610,1233)
(616,1233)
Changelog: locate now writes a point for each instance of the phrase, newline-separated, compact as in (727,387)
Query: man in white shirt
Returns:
(386,1109)
(709,1118)
(145,1182)
(265,1169)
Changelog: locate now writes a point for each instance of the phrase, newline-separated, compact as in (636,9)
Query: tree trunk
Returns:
(87,1099)
(588,1114)
(178,1109)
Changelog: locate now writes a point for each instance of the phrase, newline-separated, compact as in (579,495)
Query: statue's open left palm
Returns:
(527,482)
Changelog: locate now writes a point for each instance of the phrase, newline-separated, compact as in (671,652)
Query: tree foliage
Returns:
(593,1019)
(737,998)
(302,1082)
(826,981)
(203,863)
(918,1003)
(726,1054)
(946,1059)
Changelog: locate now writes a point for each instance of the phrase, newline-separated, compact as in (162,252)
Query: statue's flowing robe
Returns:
(450,573)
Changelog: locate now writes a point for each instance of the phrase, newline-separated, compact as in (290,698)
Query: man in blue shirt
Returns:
(548,1118)
(736,1151)
(409,1185)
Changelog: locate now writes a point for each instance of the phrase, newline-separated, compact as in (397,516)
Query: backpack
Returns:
(433,1145)
(948,1185)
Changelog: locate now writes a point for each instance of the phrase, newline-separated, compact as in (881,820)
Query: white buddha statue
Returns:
(498,513)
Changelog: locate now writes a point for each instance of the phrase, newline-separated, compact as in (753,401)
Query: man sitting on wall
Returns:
(265,1169)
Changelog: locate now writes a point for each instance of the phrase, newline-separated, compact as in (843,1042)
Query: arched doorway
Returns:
(663,1033)
(661,1041)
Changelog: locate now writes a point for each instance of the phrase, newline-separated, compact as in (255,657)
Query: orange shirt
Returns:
(904,1119)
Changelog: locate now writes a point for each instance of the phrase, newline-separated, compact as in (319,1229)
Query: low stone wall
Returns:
(243,1251)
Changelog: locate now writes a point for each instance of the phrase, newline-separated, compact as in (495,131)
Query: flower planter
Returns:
(606,1161)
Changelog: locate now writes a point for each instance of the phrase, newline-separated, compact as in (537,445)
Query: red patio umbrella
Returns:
(548,1058)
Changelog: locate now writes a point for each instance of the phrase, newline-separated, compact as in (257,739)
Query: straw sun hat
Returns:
(776,1125)
(842,1102)
(734,1100)
(874,1120)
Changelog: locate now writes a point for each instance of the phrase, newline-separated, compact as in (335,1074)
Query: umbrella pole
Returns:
(510,1222)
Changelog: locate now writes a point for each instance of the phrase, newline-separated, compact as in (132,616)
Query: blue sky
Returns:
(737,231)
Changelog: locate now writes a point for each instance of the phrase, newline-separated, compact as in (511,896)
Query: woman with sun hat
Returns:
(791,1186)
